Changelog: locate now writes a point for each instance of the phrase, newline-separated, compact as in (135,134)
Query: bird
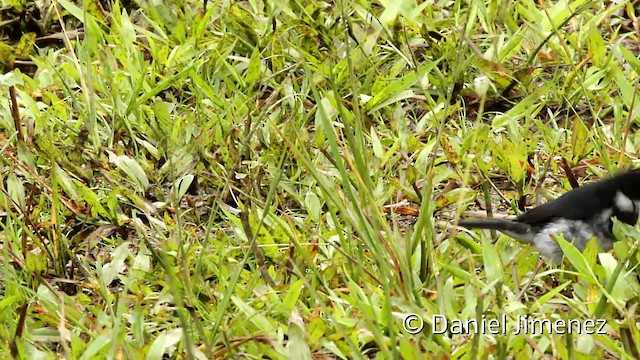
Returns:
(578,215)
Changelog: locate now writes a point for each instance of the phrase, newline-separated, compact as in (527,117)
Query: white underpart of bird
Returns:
(579,215)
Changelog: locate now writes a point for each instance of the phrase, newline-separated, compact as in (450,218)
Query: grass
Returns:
(282,180)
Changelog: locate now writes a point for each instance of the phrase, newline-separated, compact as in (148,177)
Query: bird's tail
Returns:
(517,230)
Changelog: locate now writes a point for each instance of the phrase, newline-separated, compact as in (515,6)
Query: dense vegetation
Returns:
(242,179)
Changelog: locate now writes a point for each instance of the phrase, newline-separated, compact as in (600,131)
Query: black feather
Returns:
(495,224)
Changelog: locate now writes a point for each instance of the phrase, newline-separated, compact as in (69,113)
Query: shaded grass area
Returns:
(282,180)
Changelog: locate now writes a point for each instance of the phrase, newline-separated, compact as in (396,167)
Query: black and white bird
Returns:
(579,215)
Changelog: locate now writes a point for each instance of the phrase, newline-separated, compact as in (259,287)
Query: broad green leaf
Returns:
(529,106)
(378,150)
(253,317)
(15,189)
(26,44)
(590,252)
(65,181)
(132,169)
(293,294)
(491,260)
(626,88)
(254,70)
(548,296)
(163,343)
(92,199)
(459,273)
(577,259)
(73,9)
(95,346)
(313,204)
(581,144)
(182,185)
(596,45)
(631,58)
(609,264)
(297,345)
(206,89)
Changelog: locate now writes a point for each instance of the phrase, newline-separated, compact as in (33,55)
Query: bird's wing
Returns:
(582,203)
